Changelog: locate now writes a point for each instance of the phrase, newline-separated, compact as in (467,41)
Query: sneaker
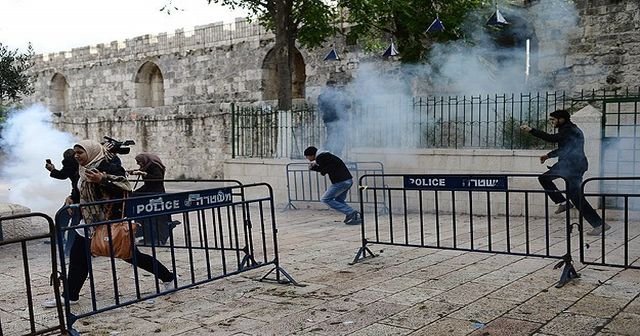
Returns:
(349,216)
(563,207)
(169,285)
(52,303)
(356,219)
(597,231)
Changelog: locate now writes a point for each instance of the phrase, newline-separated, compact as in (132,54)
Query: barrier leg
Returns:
(568,272)
(362,254)
(280,271)
(247,261)
(289,206)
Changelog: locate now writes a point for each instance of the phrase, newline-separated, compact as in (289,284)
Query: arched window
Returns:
(270,76)
(149,86)
(58,94)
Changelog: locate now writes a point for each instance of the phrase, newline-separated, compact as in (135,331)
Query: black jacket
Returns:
(570,152)
(328,163)
(69,171)
(153,183)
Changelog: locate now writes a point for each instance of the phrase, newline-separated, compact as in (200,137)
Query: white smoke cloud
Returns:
(489,62)
(28,138)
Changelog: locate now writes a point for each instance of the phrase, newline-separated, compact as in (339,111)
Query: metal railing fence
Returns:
(475,121)
(29,267)
(225,231)
(501,214)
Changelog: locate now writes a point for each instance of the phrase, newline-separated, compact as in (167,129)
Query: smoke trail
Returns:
(27,140)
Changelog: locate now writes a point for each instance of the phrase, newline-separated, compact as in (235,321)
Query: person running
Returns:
(341,182)
(572,164)
(100,180)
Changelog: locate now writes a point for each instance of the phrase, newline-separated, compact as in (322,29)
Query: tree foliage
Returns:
(309,22)
(15,82)
(406,21)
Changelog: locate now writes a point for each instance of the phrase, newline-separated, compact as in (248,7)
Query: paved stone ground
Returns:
(403,291)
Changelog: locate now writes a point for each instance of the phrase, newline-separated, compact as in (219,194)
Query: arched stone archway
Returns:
(149,84)
(270,76)
(59,94)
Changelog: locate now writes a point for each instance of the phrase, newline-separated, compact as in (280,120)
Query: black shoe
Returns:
(355,219)
(348,217)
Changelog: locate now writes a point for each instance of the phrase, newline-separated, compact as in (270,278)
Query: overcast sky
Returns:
(60,25)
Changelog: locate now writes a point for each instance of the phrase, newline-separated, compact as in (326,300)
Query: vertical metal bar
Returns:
(626,231)
(406,220)
(202,218)
(421,218)
(471,219)
(263,234)
(390,218)
(375,211)
(437,206)
(27,282)
(453,214)
(234,141)
(526,221)
(547,234)
(235,235)
(489,220)
(222,248)
(507,222)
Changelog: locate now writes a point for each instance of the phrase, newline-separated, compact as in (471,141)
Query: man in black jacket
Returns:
(341,182)
(572,164)
(69,171)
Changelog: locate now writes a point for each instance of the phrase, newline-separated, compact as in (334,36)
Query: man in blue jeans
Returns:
(341,181)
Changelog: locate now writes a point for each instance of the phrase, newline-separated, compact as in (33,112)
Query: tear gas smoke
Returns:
(28,139)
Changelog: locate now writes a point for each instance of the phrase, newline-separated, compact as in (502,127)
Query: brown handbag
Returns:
(122,239)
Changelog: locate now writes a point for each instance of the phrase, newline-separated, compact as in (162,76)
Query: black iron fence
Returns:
(475,121)
(501,214)
(225,231)
(620,245)
(21,289)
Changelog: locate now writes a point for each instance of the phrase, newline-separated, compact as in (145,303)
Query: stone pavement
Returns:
(403,291)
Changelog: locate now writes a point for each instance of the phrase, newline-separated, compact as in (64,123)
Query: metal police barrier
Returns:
(501,214)
(226,231)
(304,185)
(155,230)
(26,273)
(620,245)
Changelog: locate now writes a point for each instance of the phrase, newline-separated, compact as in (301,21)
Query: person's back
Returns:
(334,166)
(341,182)
(157,229)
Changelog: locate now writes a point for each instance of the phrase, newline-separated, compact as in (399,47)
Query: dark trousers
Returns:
(79,266)
(573,192)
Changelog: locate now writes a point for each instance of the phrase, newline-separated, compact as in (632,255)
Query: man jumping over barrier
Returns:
(341,182)
(572,164)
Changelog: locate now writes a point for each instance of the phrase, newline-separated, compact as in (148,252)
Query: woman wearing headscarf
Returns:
(152,171)
(155,230)
(101,180)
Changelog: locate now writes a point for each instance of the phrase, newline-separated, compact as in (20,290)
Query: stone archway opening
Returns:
(149,84)
(270,76)
(59,94)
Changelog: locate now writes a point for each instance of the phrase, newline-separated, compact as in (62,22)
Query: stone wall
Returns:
(192,140)
(604,51)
